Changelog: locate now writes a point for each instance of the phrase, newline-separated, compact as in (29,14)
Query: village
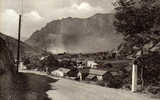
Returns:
(109,73)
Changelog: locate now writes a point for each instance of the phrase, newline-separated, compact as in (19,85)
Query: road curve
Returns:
(66,89)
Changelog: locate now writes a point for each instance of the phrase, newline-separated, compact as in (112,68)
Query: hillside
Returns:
(24,48)
(76,35)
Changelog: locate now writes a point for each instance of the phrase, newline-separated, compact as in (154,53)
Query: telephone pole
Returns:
(19,40)
(19,32)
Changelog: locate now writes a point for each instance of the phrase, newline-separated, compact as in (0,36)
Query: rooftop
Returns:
(65,70)
(97,72)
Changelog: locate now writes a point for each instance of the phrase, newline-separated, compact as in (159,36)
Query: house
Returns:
(91,64)
(64,70)
(61,72)
(91,77)
(95,74)
(57,73)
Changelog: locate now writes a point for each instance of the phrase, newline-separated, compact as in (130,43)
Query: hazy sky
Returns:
(38,12)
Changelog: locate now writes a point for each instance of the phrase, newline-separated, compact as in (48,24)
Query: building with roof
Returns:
(64,70)
(91,64)
(57,73)
(61,72)
(95,74)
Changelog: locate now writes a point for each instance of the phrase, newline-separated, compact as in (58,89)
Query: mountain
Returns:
(25,49)
(76,35)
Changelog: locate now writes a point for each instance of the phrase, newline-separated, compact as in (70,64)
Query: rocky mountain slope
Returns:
(76,35)
(24,48)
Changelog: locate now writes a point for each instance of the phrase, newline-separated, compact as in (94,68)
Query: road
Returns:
(65,89)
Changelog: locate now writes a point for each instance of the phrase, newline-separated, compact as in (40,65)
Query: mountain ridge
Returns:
(25,50)
(77,35)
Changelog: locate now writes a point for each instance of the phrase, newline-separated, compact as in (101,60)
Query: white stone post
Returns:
(134,78)
(20,66)
(80,76)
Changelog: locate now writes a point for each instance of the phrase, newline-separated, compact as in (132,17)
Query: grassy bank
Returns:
(26,86)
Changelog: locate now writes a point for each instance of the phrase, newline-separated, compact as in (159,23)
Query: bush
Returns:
(150,64)
(101,83)
(73,72)
(153,89)
(32,62)
(35,62)
(112,81)
(50,62)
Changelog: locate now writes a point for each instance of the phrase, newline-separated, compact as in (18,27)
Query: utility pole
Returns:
(19,32)
(19,40)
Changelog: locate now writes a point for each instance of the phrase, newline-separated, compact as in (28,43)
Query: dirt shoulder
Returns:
(32,86)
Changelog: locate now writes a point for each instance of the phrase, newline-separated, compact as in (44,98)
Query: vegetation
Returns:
(45,62)
(134,18)
(139,21)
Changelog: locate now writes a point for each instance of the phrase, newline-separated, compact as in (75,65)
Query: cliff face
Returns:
(7,72)
(25,49)
(75,35)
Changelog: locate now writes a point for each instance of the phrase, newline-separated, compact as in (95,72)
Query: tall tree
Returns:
(137,18)
(139,22)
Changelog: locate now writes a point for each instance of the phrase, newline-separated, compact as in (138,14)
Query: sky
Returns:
(36,13)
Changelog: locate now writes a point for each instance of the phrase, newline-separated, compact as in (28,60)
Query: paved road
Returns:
(72,90)
(65,89)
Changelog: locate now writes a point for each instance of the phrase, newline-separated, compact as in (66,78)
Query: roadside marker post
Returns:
(134,77)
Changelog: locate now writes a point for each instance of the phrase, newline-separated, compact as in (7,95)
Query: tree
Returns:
(50,62)
(138,21)
(134,18)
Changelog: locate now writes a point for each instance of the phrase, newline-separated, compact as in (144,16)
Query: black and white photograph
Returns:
(79,49)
